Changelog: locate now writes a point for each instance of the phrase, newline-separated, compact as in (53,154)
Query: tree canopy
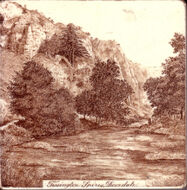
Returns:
(167,92)
(46,110)
(68,44)
(107,98)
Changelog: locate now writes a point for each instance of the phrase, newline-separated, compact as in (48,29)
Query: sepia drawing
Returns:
(92,93)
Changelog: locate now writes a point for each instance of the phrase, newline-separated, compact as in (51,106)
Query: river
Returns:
(99,154)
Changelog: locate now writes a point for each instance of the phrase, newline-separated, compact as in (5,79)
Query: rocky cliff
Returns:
(22,33)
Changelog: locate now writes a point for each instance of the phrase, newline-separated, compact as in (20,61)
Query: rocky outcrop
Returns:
(22,33)
(26,29)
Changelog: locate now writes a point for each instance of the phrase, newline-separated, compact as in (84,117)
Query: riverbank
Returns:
(98,154)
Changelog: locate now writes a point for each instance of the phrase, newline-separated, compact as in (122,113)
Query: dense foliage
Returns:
(46,110)
(107,98)
(167,92)
(1,18)
(68,44)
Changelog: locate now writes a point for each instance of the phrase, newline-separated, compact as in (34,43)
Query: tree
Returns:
(174,71)
(51,47)
(84,102)
(178,43)
(157,94)
(46,110)
(109,94)
(72,45)
(68,44)
(104,72)
(167,93)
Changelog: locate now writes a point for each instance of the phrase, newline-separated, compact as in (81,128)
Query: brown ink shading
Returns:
(73,107)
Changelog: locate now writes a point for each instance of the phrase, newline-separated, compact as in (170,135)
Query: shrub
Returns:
(13,135)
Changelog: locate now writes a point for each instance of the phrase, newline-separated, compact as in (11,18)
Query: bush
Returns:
(17,175)
(13,135)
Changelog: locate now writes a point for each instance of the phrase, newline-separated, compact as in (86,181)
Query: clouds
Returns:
(126,11)
(129,15)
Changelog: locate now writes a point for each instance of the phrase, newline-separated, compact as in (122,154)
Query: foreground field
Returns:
(106,153)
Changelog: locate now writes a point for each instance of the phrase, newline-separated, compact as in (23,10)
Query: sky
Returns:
(142,28)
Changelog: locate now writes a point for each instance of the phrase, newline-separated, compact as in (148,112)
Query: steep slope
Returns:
(22,33)
(25,29)
(132,72)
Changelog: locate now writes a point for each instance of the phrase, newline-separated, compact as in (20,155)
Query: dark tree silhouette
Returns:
(167,93)
(46,110)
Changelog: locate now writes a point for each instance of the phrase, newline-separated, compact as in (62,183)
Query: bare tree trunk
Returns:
(181,112)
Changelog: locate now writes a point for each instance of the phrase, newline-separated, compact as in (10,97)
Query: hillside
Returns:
(22,33)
